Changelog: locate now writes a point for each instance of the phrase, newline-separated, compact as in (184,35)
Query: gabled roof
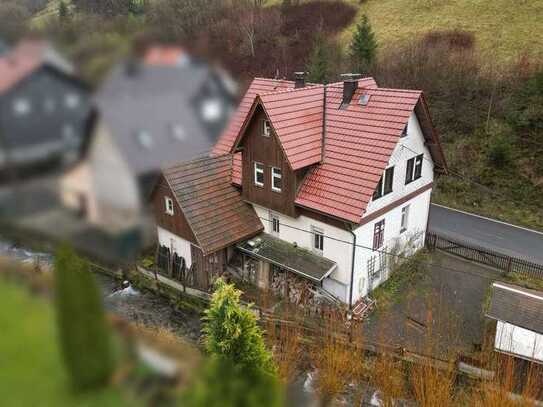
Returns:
(258,86)
(519,306)
(359,143)
(297,117)
(29,55)
(212,206)
(358,139)
(166,103)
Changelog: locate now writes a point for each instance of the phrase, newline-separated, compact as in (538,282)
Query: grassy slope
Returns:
(32,373)
(503,29)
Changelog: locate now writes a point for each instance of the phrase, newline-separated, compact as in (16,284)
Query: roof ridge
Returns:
(291,90)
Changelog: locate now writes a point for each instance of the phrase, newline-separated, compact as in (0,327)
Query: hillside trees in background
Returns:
(363,47)
(13,17)
(107,8)
(83,331)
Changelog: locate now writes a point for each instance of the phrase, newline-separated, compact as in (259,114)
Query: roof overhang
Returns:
(288,256)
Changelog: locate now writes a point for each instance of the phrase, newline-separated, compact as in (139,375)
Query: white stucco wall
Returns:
(414,141)
(116,189)
(338,242)
(518,341)
(175,243)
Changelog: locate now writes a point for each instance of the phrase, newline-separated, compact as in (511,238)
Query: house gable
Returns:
(176,223)
(266,150)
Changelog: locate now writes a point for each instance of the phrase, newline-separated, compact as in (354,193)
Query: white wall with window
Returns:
(405,223)
(410,156)
(299,230)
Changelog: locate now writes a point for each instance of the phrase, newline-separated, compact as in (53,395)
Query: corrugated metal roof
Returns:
(358,139)
(211,204)
(517,305)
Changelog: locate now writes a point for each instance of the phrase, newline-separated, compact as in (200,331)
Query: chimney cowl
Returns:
(299,80)
(350,84)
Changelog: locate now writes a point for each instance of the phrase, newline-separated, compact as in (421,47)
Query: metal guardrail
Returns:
(484,256)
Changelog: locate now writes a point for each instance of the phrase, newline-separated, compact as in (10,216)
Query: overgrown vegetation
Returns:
(84,335)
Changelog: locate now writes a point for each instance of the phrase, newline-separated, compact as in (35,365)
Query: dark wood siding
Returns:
(266,150)
(176,224)
(207,268)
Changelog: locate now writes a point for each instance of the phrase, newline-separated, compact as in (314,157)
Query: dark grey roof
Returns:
(286,255)
(163,105)
(517,305)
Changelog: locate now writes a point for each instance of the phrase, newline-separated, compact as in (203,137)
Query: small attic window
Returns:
(144,138)
(404,132)
(364,99)
(266,128)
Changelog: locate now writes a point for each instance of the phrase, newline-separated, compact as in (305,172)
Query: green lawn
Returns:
(503,29)
(31,370)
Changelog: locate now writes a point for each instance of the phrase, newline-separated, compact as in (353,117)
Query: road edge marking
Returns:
(489,219)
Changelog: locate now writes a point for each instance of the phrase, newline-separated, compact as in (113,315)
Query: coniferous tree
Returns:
(318,66)
(83,331)
(231,332)
(63,10)
(363,46)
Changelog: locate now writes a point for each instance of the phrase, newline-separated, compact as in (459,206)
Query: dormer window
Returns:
(168,203)
(21,106)
(384,186)
(259,174)
(276,179)
(266,128)
(413,170)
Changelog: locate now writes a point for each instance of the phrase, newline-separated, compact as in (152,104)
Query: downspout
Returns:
(352,269)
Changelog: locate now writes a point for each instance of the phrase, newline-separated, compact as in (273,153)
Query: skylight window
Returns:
(144,138)
(212,109)
(364,99)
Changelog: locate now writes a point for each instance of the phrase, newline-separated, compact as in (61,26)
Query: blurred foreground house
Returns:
(518,313)
(44,109)
(4,48)
(152,112)
(312,186)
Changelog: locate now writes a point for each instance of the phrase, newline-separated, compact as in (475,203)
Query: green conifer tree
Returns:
(83,331)
(318,66)
(363,48)
(231,332)
(63,10)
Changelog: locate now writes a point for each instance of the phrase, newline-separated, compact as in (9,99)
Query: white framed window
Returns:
(259,174)
(413,170)
(384,186)
(21,106)
(405,219)
(266,128)
(318,239)
(275,224)
(361,285)
(168,203)
(276,179)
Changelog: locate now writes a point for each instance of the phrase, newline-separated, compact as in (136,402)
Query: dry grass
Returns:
(501,32)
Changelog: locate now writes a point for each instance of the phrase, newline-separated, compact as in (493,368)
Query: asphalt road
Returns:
(493,235)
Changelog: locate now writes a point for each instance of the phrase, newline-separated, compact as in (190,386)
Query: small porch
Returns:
(285,270)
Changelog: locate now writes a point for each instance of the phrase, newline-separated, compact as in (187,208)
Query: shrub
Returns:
(84,334)
(500,152)
(231,331)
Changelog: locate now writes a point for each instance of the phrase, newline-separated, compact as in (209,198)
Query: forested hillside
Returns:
(478,62)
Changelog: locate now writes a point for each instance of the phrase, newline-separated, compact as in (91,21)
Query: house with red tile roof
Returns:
(339,175)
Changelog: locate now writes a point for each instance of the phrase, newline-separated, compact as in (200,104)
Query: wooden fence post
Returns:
(509,264)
